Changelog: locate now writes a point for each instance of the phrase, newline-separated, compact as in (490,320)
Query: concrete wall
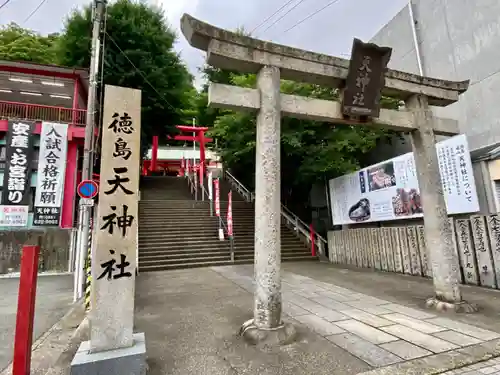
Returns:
(458,39)
(54,249)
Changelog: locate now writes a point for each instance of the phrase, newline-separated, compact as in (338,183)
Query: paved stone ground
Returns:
(191,319)
(491,367)
(349,322)
(377,331)
(54,298)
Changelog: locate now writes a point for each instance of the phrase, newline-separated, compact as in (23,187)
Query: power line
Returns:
(311,15)
(283,16)
(268,18)
(4,4)
(139,71)
(35,10)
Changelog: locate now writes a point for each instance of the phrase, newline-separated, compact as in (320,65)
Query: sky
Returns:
(330,31)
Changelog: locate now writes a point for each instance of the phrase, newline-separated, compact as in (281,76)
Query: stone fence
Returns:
(403,249)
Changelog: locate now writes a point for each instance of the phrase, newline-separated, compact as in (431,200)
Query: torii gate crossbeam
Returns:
(198,137)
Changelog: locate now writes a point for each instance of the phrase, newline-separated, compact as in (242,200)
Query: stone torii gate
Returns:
(272,62)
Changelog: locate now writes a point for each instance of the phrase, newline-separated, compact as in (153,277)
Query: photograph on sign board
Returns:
(393,192)
(406,202)
(382,176)
(360,211)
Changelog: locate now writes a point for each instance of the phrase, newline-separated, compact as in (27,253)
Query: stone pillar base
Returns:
(283,335)
(457,307)
(130,361)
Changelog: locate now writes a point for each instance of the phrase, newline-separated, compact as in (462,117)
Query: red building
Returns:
(46,93)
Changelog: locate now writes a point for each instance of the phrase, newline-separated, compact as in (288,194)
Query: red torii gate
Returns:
(150,166)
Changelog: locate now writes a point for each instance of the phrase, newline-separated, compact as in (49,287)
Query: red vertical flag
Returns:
(217,197)
(230,214)
(201,173)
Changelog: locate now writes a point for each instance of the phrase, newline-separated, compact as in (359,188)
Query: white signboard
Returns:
(14,216)
(390,191)
(51,173)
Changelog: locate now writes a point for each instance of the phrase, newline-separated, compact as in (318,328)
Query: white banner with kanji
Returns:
(51,174)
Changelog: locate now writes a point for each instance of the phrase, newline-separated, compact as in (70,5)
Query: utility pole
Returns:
(85,211)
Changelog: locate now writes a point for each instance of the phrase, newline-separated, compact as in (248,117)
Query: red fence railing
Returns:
(37,112)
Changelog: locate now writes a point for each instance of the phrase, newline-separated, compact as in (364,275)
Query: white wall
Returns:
(459,40)
(177,153)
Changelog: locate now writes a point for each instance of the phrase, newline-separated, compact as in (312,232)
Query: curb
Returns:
(16,275)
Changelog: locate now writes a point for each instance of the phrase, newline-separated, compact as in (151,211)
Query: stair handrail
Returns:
(231,239)
(239,187)
(299,226)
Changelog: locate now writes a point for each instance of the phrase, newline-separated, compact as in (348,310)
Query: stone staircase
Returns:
(175,231)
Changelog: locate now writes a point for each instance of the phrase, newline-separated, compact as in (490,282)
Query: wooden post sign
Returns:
(114,255)
(365,80)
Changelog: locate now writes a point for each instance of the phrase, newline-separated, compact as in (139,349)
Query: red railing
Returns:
(37,112)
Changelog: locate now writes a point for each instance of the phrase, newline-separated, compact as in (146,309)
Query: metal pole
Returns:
(76,289)
(415,38)
(194,143)
(72,239)
(89,130)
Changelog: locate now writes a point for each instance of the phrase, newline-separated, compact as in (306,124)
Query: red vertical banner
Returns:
(230,214)
(25,311)
(217,197)
(201,173)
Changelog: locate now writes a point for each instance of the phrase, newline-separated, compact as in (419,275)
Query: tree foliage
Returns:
(19,44)
(142,36)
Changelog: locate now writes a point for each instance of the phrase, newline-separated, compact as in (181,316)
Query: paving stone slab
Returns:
(411,312)
(366,332)
(376,310)
(416,324)
(336,296)
(365,304)
(367,318)
(421,339)
(457,338)
(319,325)
(365,350)
(442,362)
(405,350)
(330,303)
(292,309)
(466,329)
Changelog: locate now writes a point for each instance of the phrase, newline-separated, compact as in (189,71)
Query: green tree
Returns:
(139,33)
(19,44)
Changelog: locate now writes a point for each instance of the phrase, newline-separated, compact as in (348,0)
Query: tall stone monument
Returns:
(113,347)
(272,62)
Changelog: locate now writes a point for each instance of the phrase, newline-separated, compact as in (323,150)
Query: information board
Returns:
(390,191)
